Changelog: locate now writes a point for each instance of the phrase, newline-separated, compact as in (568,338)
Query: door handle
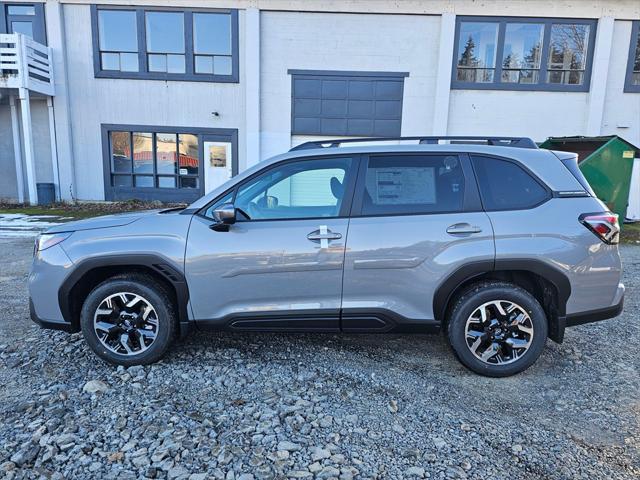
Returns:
(323,235)
(462,229)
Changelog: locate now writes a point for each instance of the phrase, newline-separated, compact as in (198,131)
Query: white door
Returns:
(218,164)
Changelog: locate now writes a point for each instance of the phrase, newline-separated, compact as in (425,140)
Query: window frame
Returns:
(37,19)
(347,201)
(143,72)
(635,32)
(176,194)
(544,59)
(549,192)
(471,195)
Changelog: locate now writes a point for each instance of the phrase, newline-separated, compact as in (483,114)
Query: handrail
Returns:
(25,63)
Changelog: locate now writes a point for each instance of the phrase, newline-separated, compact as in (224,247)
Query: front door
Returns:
(416,219)
(280,265)
(219,164)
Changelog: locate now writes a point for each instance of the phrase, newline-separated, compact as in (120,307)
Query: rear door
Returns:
(416,219)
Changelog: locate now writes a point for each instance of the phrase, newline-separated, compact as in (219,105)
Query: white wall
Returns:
(329,41)
(531,114)
(621,110)
(96,101)
(42,148)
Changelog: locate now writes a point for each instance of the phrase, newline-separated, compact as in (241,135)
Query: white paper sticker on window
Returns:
(405,185)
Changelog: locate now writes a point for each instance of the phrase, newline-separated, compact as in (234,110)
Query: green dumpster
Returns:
(606,163)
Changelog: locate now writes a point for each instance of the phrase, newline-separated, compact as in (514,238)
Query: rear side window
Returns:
(505,185)
(409,184)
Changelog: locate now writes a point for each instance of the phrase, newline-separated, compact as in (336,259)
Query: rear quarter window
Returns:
(504,185)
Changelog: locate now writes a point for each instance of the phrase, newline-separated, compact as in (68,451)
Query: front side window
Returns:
(632,82)
(296,190)
(411,184)
(523,54)
(504,185)
(165,44)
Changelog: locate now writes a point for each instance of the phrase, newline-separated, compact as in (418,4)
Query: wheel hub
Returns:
(499,332)
(126,323)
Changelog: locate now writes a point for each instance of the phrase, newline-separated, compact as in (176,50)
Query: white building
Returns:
(135,99)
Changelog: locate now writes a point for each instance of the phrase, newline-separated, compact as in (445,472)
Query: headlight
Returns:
(47,240)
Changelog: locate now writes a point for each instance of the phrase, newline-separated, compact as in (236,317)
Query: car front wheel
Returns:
(129,320)
(497,329)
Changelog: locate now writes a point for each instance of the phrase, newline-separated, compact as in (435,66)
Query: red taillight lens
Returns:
(604,225)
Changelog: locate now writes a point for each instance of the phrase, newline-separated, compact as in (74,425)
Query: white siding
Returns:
(531,114)
(96,101)
(621,110)
(328,41)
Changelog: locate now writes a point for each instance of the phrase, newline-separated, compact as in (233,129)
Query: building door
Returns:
(219,162)
(25,18)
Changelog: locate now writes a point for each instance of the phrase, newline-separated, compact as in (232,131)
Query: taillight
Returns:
(604,225)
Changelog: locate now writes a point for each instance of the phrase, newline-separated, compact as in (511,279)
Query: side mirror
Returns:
(225,215)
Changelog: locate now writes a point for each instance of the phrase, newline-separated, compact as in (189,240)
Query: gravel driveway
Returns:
(243,406)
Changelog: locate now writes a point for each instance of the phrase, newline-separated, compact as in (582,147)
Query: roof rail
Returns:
(520,142)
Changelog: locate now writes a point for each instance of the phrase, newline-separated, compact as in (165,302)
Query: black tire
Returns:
(155,294)
(479,294)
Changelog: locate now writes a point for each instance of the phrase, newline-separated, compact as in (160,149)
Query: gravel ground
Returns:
(243,406)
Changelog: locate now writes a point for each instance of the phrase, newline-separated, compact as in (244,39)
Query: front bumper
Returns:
(49,269)
(50,324)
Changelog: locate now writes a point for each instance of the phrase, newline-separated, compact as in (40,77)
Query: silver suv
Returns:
(493,241)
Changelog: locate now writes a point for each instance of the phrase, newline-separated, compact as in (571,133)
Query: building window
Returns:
(632,81)
(165,44)
(153,163)
(118,40)
(25,18)
(346,103)
(523,54)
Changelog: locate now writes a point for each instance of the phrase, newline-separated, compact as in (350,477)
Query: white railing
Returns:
(25,63)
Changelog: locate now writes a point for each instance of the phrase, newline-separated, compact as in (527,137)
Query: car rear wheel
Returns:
(129,320)
(497,329)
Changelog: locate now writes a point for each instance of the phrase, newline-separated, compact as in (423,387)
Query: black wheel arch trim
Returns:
(554,275)
(156,263)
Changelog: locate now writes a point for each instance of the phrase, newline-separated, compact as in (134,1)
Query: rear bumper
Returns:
(589,316)
(594,315)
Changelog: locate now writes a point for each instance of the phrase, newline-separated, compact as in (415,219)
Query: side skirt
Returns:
(347,321)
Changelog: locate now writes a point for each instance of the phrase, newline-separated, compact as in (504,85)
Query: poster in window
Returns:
(405,185)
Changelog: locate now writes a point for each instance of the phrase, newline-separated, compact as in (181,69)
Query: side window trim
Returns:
(471,194)
(527,170)
(634,42)
(345,208)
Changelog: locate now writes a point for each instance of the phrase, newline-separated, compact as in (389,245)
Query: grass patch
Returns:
(80,210)
(630,233)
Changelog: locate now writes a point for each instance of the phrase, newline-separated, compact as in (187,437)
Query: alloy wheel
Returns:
(499,332)
(126,323)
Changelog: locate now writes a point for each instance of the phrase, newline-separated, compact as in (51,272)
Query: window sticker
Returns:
(405,185)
